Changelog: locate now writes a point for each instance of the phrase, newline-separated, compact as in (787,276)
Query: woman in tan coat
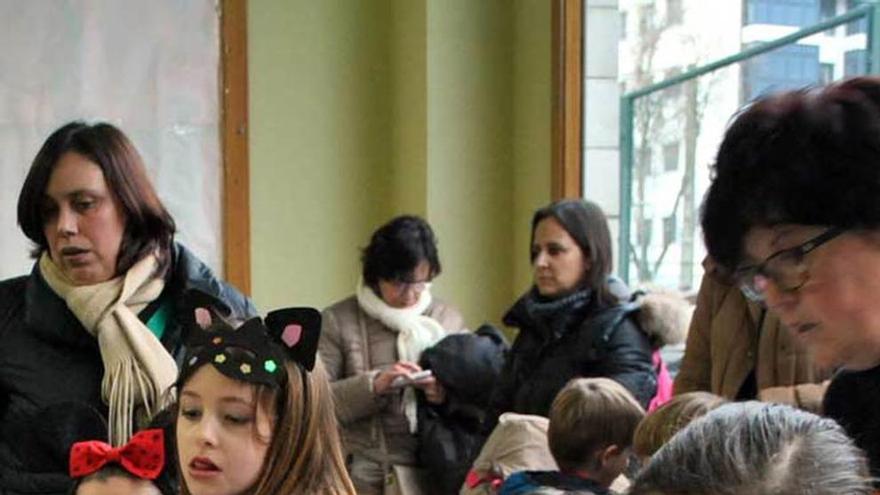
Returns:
(737,350)
(370,344)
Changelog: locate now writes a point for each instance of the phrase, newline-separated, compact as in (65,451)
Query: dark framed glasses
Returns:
(786,268)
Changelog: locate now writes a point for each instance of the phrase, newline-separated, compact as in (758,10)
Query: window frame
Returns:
(567,34)
(234,134)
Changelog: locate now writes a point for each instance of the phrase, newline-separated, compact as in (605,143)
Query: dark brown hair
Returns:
(148,225)
(586,223)
(801,157)
(397,248)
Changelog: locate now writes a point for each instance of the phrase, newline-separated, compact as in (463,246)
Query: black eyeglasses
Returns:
(786,268)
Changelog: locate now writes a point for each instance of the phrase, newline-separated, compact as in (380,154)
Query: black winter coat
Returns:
(452,434)
(49,361)
(853,399)
(598,342)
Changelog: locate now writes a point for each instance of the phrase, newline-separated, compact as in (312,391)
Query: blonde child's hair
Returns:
(588,415)
(658,427)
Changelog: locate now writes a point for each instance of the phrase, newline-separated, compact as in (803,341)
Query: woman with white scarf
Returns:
(95,323)
(371,342)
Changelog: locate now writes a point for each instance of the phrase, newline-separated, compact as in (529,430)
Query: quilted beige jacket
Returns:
(354,348)
(723,346)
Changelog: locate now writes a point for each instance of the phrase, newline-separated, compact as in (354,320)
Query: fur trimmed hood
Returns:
(664,316)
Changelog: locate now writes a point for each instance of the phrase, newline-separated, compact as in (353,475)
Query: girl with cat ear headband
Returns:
(254,408)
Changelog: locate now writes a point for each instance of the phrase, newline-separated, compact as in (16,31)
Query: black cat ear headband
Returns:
(256,351)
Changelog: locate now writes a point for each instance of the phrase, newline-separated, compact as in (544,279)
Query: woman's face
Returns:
(223,434)
(405,293)
(82,221)
(558,262)
(835,313)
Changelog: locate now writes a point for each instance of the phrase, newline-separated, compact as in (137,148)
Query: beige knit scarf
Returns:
(137,368)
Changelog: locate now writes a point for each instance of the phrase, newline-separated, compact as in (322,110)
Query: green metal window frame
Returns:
(869,10)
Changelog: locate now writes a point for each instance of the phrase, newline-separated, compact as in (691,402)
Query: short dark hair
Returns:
(397,248)
(807,157)
(755,447)
(586,223)
(102,475)
(148,225)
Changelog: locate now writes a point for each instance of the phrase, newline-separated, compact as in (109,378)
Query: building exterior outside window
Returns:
(799,13)
(791,66)
(855,62)
(676,131)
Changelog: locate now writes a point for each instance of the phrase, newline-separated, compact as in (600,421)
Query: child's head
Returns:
(591,427)
(260,418)
(659,426)
(134,468)
(113,480)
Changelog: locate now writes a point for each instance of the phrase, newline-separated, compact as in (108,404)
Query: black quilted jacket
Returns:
(601,342)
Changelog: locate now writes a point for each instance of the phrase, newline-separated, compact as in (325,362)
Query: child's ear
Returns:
(611,454)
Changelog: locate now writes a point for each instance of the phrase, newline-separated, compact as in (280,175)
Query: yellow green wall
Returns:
(409,107)
(531,129)
(361,110)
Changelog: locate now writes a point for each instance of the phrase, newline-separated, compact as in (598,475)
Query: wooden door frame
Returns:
(234,138)
(567,33)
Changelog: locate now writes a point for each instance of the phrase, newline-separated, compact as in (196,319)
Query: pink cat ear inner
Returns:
(203,318)
(291,335)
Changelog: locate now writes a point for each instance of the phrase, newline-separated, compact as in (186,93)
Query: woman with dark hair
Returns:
(371,343)
(571,322)
(96,320)
(793,213)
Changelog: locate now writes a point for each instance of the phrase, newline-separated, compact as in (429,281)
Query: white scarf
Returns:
(415,332)
(137,368)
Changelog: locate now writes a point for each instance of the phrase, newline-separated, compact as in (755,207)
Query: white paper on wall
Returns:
(150,67)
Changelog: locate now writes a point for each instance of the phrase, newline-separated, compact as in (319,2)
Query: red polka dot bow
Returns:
(143,456)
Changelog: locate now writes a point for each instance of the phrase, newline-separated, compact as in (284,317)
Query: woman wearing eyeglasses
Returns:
(794,214)
(737,350)
(370,344)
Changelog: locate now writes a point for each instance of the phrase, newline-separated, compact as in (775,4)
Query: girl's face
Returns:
(558,262)
(834,313)
(223,434)
(82,221)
